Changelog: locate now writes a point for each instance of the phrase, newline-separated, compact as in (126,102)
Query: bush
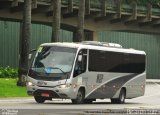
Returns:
(8,72)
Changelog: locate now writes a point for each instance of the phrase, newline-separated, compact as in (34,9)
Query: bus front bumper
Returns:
(61,91)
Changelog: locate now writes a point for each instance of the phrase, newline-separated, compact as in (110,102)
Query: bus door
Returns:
(80,68)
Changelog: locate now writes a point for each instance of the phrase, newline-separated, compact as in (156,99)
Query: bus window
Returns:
(81,63)
(108,61)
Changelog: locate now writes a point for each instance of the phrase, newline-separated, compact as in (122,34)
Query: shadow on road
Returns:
(94,103)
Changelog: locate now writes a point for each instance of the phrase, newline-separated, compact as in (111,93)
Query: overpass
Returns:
(100,15)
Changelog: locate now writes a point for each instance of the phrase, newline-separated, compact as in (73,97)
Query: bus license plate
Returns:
(45,95)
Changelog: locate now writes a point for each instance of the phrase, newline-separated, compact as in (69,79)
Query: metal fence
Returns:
(9,40)
(150,43)
(10,32)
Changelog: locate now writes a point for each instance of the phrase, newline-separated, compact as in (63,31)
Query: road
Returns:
(27,106)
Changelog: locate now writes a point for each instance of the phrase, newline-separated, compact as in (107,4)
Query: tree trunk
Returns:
(24,43)
(56,20)
(80,27)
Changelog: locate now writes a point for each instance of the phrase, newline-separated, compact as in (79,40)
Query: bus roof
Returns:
(96,47)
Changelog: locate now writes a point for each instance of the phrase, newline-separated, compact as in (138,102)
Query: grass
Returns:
(8,88)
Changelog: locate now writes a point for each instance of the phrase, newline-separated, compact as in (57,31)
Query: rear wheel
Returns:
(39,99)
(122,97)
(80,97)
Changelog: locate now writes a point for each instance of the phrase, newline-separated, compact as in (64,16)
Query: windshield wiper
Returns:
(52,68)
(57,68)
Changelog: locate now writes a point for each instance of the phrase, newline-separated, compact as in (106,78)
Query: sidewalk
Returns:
(151,81)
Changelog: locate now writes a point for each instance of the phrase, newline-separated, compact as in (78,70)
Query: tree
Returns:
(24,42)
(80,26)
(56,20)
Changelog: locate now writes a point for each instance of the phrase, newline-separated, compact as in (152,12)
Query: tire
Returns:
(88,101)
(121,99)
(39,99)
(122,96)
(80,97)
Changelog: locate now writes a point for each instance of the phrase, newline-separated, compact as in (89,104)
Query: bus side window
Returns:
(81,63)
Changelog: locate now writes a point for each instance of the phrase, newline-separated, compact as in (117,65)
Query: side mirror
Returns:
(31,52)
(79,58)
(31,55)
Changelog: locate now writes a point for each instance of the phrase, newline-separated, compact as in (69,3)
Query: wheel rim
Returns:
(122,97)
(79,97)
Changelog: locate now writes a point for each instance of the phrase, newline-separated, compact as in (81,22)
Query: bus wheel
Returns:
(80,97)
(39,99)
(88,101)
(122,96)
(121,99)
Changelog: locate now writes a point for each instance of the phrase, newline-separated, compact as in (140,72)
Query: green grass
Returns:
(8,88)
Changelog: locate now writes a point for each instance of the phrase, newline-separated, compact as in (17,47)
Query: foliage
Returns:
(8,72)
(143,2)
(8,88)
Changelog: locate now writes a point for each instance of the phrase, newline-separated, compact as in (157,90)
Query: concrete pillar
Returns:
(95,36)
(88,36)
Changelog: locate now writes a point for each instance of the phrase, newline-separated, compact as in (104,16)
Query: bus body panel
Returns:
(97,85)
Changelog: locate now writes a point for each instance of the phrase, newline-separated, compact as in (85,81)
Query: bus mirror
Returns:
(79,58)
(31,53)
(29,57)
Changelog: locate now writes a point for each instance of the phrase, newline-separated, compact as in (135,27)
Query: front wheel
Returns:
(88,101)
(80,97)
(39,99)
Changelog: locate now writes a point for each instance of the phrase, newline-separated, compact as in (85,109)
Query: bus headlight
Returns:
(65,86)
(30,84)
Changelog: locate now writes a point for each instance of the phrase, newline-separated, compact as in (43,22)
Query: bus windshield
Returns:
(53,61)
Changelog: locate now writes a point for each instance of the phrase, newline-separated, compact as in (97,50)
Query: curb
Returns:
(4,98)
(153,81)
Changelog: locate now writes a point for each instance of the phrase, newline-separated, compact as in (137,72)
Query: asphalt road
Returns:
(27,106)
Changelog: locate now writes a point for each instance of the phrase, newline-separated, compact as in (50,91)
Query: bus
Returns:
(86,71)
